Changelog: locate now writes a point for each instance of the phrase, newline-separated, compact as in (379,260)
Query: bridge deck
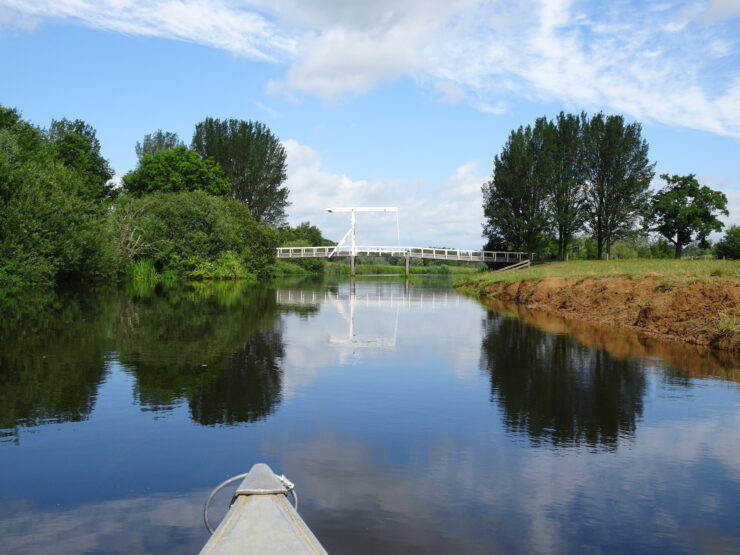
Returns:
(412,252)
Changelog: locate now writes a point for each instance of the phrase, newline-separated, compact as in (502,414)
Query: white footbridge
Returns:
(405,252)
(508,260)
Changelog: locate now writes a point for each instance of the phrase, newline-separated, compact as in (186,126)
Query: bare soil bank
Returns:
(698,312)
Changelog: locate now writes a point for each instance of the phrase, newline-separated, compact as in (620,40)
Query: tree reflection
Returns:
(248,390)
(216,346)
(218,350)
(554,389)
(53,355)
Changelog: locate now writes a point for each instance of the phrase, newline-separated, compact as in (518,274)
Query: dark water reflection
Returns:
(557,390)
(217,347)
(412,420)
(52,356)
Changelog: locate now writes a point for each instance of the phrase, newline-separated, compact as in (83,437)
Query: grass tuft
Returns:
(728,323)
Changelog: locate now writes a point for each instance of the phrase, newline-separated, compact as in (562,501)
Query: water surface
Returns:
(411,419)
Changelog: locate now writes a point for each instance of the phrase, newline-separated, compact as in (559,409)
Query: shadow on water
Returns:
(556,391)
(216,346)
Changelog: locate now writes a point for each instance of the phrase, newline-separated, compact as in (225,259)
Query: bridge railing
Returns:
(413,252)
(304,252)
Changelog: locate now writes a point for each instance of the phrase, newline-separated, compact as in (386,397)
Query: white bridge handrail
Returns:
(413,252)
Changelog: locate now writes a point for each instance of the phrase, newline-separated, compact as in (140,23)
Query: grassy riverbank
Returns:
(695,301)
(665,268)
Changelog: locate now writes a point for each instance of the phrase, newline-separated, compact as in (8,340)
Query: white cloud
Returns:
(719,10)
(648,62)
(448,214)
(215,23)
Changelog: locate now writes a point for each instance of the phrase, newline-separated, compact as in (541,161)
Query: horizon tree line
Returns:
(556,179)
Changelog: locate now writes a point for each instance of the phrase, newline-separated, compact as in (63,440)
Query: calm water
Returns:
(411,419)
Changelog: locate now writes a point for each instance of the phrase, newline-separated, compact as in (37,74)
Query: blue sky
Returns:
(385,103)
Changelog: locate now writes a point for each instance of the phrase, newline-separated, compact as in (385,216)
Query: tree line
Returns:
(214,209)
(577,174)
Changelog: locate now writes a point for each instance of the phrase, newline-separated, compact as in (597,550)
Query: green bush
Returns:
(729,246)
(193,232)
(283,268)
(226,266)
(621,250)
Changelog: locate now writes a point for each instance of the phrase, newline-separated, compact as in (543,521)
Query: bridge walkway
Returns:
(405,252)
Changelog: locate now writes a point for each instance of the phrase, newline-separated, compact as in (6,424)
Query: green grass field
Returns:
(670,270)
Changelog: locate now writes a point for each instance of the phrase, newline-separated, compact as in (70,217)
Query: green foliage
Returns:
(438,269)
(661,249)
(729,246)
(254,162)
(53,227)
(306,232)
(184,231)
(142,270)
(552,178)
(76,145)
(157,142)
(568,194)
(174,170)
(283,268)
(515,200)
(684,209)
(226,266)
(618,173)
(622,250)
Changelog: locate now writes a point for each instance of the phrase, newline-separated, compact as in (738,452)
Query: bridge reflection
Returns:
(378,298)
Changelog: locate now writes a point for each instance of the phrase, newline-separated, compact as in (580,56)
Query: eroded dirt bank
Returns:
(698,312)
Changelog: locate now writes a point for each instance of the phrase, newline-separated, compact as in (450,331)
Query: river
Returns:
(411,419)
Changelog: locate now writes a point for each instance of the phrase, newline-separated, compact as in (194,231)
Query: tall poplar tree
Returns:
(515,199)
(157,142)
(253,160)
(618,174)
(568,193)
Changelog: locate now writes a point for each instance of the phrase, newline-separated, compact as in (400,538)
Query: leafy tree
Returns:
(77,147)
(254,161)
(515,200)
(618,173)
(52,227)
(174,170)
(568,195)
(683,209)
(157,142)
(729,246)
(305,232)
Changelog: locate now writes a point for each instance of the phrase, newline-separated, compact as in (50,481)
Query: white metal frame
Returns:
(353,210)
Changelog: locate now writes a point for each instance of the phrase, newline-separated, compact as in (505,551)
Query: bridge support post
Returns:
(408,263)
(352,265)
